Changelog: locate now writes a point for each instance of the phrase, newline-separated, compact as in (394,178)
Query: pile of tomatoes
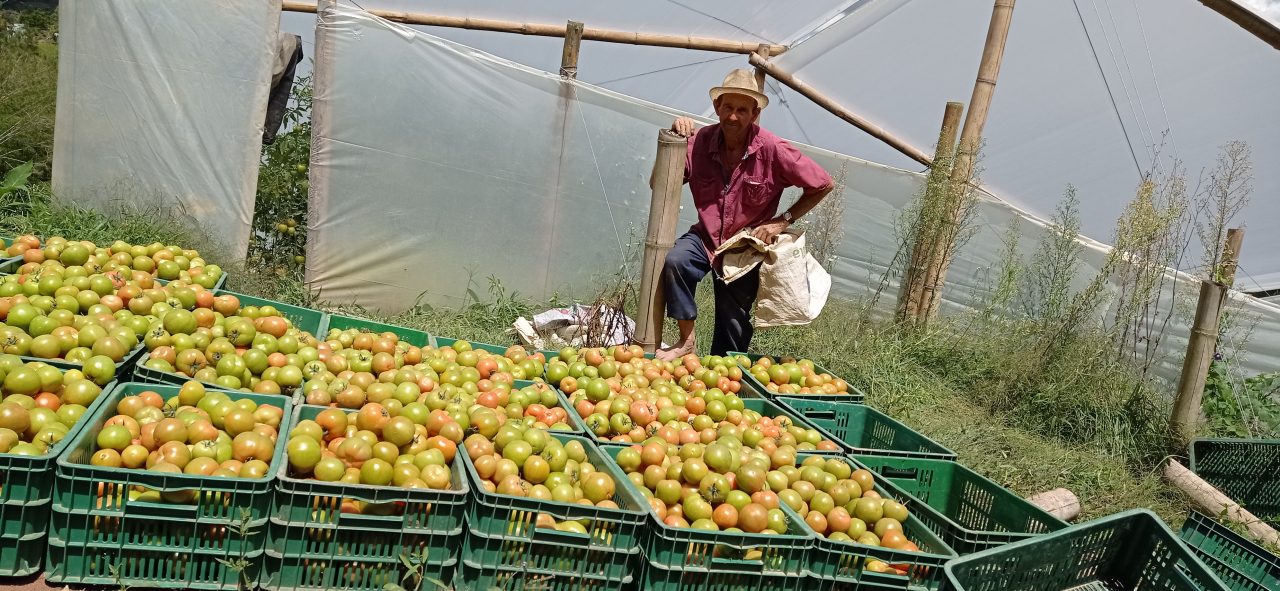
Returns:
(39,404)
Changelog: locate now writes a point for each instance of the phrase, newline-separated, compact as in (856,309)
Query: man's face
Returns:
(736,111)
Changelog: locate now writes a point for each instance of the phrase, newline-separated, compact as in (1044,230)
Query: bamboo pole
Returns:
(1212,501)
(664,209)
(1059,502)
(1195,366)
(836,109)
(545,30)
(911,291)
(572,42)
(970,140)
(1247,19)
(763,52)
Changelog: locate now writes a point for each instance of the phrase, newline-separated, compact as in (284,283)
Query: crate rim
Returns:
(281,474)
(481,495)
(849,449)
(8,460)
(899,491)
(1147,514)
(198,482)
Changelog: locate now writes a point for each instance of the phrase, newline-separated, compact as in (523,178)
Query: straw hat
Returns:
(741,81)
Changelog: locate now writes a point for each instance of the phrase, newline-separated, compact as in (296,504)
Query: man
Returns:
(736,171)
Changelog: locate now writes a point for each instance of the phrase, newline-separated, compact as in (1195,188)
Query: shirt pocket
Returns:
(755,192)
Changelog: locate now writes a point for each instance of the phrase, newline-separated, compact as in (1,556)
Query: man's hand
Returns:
(769,230)
(683,126)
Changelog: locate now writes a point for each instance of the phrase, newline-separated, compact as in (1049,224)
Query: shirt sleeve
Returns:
(798,170)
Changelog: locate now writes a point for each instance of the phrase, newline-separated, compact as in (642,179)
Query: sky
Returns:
(1269,9)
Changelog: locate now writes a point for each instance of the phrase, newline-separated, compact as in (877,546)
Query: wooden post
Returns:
(836,109)
(970,140)
(1195,367)
(911,292)
(547,30)
(1212,501)
(664,210)
(572,41)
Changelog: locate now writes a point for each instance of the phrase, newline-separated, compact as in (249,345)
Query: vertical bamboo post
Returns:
(664,210)
(1195,367)
(970,140)
(910,294)
(569,57)
(763,52)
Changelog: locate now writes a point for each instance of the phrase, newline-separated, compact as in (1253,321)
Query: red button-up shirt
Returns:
(749,196)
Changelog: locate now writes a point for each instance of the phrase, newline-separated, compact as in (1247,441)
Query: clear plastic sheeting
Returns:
(163,102)
(1086,92)
(437,166)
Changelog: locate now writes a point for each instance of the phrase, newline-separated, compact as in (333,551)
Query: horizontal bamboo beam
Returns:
(1247,19)
(836,109)
(543,30)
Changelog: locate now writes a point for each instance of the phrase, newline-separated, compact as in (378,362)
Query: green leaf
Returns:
(16,177)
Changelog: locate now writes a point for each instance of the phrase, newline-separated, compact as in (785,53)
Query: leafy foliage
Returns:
(28,95)
(1246,407)
(279,238)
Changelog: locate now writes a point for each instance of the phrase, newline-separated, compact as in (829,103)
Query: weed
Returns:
(28,93)
(241,565)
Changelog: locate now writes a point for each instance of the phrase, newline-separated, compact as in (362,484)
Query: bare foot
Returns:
(676,352)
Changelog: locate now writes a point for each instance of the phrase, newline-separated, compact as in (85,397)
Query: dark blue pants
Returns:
(686,265)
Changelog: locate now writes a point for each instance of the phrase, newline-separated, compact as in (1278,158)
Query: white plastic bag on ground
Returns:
(559,327)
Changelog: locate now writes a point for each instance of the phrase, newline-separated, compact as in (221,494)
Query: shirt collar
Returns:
(753,141)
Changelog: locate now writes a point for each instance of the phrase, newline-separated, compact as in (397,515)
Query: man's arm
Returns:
(807,201)
(684,127)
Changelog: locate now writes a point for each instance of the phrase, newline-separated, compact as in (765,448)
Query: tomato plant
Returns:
(279,235)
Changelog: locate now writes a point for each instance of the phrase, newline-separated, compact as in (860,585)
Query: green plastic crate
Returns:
(864,430)
(969,511)
(722,553)
(147,566)
(362,565)
(314,545)
(1129,551)
(502,533)
(442,342)
(22,555)
(303,318)
(147,375)
(655,577)
(838,566)
(124,368)
(26,495)
(851,396)
(93,518)
(1243,469)
(750,402)
(414,337)
(476,577)
(1240,563)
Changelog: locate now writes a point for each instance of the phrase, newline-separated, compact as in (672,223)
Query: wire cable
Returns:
(1124,83)
(1107,85)
(660,70)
